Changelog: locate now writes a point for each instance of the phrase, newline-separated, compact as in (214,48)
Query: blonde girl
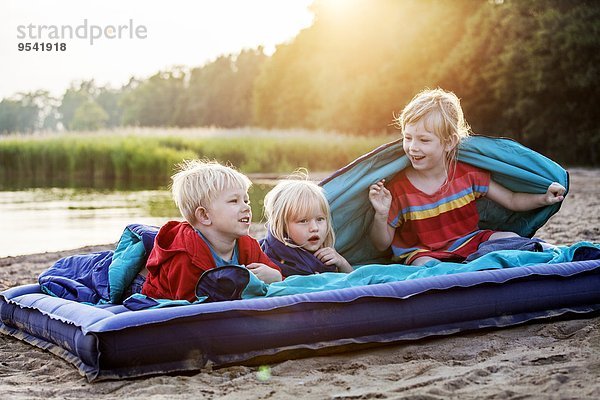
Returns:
(300,237)
(427,211)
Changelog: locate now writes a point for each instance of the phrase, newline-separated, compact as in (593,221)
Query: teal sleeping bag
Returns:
(511,164)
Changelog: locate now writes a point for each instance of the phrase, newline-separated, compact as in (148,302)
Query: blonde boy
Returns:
(214,201)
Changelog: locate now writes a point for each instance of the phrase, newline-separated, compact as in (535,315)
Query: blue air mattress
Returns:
(110,341)
(319,314)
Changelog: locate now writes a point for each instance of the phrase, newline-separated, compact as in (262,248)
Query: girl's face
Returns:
(424,149)
(308,231)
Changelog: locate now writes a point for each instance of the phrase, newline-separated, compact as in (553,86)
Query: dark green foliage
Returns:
(74,97)
(220,93)
(89,116)
(109,100)
(530,70)
(357,65)
(527,69)
(27,112)
(153,102)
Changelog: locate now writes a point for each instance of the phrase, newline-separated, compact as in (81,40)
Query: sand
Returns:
(547,360)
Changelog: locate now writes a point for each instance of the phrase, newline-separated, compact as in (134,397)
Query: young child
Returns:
(213,199)
(300,237)
(427,211)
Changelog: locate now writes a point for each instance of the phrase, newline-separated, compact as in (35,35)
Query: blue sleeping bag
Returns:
(102,277)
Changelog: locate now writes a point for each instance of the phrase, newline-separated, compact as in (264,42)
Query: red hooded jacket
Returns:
(180,256)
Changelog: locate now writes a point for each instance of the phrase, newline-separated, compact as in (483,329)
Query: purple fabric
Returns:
(95,278)
(82,277)
(135,287)
(509,243)
(292,260)
(223,283)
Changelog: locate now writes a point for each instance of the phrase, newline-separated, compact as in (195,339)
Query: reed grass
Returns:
(131,158)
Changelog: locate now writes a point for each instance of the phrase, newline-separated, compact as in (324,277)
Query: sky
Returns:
(132,37)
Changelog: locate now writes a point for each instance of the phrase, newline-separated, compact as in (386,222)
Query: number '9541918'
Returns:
(42,46)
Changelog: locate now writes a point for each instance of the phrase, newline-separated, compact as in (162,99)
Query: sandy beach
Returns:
(557,359)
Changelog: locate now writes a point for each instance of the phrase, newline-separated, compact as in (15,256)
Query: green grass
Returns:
(133,158)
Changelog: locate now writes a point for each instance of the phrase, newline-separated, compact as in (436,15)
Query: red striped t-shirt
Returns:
(438,221)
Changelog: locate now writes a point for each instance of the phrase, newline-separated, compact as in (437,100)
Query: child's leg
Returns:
(423,260)
(144,272)
(136,285)
(548,246)
(502,235)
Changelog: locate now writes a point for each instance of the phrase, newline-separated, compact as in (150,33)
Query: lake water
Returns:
(41,220)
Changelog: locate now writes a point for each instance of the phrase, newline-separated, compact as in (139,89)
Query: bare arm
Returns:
(265,273)
(381,232)
(517,201)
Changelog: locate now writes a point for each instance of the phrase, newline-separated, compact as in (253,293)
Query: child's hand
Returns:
(554,194)
(265,273)
(380,197)
(329,256)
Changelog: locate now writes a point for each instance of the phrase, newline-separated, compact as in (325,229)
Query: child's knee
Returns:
(424,260)
(547,246)
(502,235)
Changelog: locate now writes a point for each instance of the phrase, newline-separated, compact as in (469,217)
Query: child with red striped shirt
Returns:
(427,211)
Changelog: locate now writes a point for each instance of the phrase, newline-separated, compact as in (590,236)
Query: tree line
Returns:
(526,69)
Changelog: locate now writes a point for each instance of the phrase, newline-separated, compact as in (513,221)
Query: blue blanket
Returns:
(379,273)
(236,282)
(511,164)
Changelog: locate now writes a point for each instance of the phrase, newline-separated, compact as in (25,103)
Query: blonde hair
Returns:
(441,113)
(293,198)
(199,182)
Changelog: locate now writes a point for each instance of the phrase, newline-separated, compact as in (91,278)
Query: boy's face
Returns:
(230,213)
